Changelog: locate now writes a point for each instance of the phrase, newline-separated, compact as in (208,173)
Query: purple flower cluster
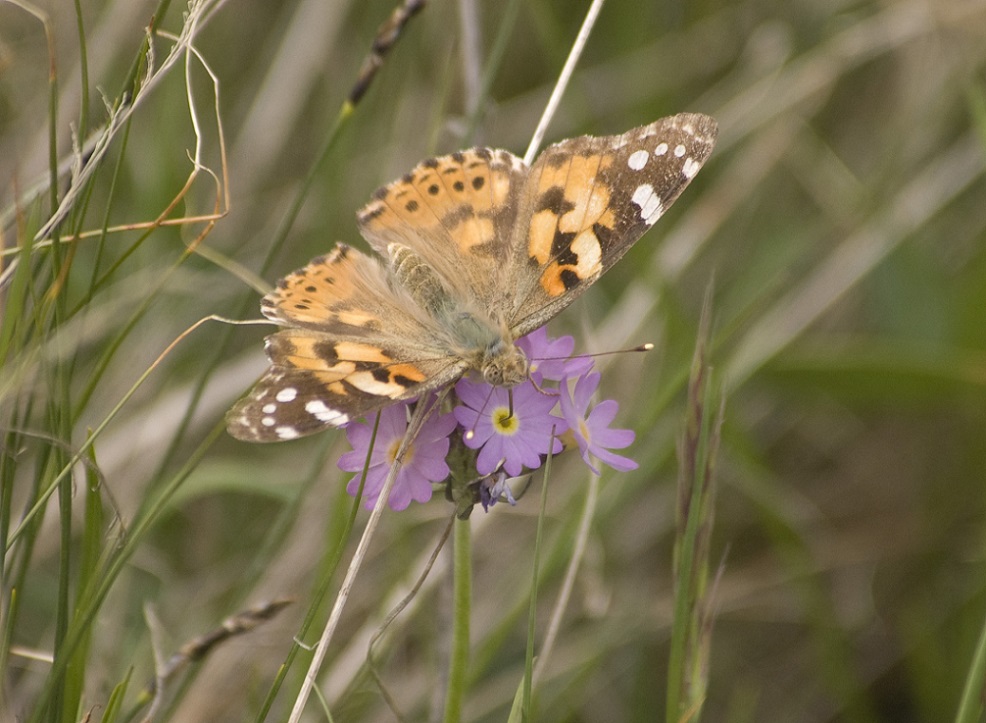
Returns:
(510,429)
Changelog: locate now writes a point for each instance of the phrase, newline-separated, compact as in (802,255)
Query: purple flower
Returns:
(552,358)
(492,488)
(424,461)
(592,432)
(516,437)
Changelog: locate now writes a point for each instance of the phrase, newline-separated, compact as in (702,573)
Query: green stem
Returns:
(461,599)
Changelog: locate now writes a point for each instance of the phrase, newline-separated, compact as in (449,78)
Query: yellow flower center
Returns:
(504,422)
(584,431)
(395,447)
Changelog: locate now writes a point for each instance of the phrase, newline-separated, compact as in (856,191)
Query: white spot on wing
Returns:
(269,408)
(679,150)
(650,204)
(638,159)
(287,394)
(690,168)
(287,432)
(318,409)
(661,149)
(268,421)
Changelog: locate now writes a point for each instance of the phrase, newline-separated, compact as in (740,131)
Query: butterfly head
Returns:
(505,365)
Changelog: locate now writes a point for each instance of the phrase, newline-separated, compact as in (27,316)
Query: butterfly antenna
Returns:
(471,432)
(642,347)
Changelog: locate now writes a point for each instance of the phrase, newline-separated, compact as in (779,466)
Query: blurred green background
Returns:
(841,220)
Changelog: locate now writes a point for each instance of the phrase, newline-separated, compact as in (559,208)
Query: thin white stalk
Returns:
(566,75)
(470,54)
(565,594)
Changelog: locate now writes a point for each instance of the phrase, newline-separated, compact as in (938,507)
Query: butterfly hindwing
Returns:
(344,292)
(456,213)
(354,344)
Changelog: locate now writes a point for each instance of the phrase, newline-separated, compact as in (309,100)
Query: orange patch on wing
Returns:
(590,206)
(355,317)
(453,179)
(552,176)
(407,370)
(475,232)
(540,235)
(582,172)
(478,185)
(501,187)
(354,351)
(367,382)
(332,383)
(591,200)
(551,281)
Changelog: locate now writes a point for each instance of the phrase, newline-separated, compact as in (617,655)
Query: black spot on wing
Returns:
(326,350)
(570,279)
(561,249)
(554,200)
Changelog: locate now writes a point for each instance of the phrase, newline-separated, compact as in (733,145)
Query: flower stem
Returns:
(461,599)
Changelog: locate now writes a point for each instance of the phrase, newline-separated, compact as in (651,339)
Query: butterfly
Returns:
(473,251)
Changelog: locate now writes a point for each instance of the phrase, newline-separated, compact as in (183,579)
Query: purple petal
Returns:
(602,414)
(439,427)
(616,461)
(358,435)
(489,457)
(613,438)
(578,366)
(352,461)
(375,477)
(432,470)
(585,387)
(471,394)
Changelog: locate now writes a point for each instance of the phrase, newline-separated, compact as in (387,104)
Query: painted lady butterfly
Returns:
(478,250)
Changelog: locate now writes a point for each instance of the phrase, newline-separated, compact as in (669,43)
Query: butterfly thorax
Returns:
(474,336)
(487,347)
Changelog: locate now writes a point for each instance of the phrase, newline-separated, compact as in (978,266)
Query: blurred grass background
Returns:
(842,218)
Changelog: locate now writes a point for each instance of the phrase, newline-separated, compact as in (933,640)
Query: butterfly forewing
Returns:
(318,381)
(587,201)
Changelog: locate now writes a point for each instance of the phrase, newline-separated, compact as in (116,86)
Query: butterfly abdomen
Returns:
(418,278)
